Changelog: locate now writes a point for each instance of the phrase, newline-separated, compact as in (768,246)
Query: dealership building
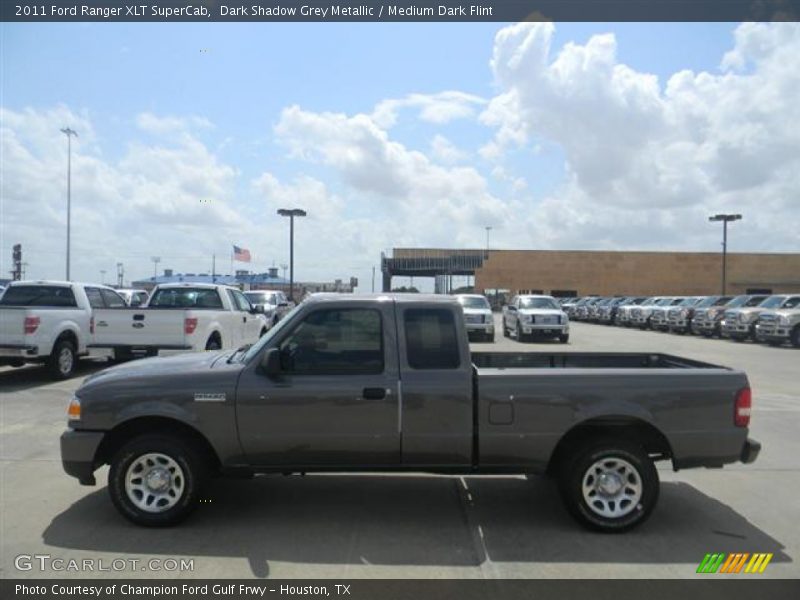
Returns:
(605,273)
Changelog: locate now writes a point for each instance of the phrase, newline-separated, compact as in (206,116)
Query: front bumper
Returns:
(78,452)
(485,328)
(750,451)
(772,332)
(678,323)
(704,325)
(734,328)
(544,328)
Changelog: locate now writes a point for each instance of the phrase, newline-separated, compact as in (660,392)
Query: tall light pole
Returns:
(103,276)
(69,133)
(291,213)
(156,260)
(488,229)
(725,220)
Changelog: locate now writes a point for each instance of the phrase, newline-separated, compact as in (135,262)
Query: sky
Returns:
(558,136)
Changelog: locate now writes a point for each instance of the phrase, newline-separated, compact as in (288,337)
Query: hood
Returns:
(781,312)
(184,365)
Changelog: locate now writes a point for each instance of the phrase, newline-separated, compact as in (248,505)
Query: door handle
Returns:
(102,324)
(373,393)
(244,319)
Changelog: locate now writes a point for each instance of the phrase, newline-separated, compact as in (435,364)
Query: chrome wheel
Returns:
(612,488)
(154,482)
(65,360)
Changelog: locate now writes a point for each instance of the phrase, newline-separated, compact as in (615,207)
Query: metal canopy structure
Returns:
(429,262)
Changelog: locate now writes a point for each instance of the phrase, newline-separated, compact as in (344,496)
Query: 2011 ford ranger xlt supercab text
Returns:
(387,383)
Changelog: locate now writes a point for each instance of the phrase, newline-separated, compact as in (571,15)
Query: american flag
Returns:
(241,254)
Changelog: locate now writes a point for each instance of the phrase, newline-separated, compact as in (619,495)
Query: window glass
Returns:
(185,298)
(473,302)
(335,341)
(537,303)
(112,299)
(792,302)
(431,339)
(242,302)
(38,295)
(95,299)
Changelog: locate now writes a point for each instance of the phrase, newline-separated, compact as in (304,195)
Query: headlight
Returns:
(526,318)
(783,320)
(746,318)
(74,409)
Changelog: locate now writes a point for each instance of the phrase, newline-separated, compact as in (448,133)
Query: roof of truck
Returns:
(387,297)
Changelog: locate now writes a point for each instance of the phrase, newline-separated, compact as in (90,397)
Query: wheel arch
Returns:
(623,427)
(136,426)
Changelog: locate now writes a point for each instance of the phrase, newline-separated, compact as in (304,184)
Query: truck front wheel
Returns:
(609,485)
(795,337)
(156,480)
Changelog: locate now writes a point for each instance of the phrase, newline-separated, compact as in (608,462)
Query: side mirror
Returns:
(271,362)
(283,304)
(257,309)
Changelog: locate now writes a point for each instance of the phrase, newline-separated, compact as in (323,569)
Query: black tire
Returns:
(214,343)
(519,334)
(564,339)
(794,337)
(263,331)
(576,468)
(490,337)
(505,330)
(63,360)
(193,470)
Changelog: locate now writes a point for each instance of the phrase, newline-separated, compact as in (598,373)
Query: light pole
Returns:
(725,220)
(488,229)
(156,260)
(103,276)
(291,213)
(69,133)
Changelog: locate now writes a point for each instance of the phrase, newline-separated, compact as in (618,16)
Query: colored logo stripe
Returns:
(734,563)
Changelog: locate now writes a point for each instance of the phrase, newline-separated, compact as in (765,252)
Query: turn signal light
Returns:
(744,403)
(189,325)
(74,410)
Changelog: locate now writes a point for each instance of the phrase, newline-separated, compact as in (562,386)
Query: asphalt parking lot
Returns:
(414,525)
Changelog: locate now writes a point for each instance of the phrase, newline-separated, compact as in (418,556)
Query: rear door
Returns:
(335,402)
(436,386)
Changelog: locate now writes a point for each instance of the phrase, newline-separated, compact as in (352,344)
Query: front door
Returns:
(335,401)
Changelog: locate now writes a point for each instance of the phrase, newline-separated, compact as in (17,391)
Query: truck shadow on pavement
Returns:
(410,520)
(33,376)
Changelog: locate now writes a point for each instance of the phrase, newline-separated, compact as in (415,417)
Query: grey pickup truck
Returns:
(387,383)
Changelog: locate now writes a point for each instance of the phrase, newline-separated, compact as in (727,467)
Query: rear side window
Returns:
(38,295)
(431,339)
(185,298)
(95,299)
(112,299)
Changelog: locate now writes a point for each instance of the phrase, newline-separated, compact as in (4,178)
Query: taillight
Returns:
(743,406)
(31,325)
(91,325)
(189,325)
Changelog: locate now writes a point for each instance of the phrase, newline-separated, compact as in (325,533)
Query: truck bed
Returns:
(584,360)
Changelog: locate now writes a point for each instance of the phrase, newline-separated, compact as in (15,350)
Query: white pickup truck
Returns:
(57,322)
(180,316)
(49,322)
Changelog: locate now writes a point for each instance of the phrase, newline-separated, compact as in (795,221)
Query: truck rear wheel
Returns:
(795,337)
(609,485)
(156,480)
(62,360)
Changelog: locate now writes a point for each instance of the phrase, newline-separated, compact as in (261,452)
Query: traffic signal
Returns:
(17,252)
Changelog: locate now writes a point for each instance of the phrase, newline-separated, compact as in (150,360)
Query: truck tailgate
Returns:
(131,327)
(12,320)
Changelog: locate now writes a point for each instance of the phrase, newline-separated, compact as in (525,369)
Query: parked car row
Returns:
(773,319)
(56,322)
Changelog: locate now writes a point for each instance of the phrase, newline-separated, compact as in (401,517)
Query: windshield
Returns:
(771,302)
(709,301)
(261,298)
(265,339)
(665,302)
(737,302)
(754,301)
(537,303)
(473,302)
